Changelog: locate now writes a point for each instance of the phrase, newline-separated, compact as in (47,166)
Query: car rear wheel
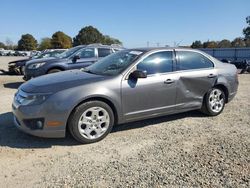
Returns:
(91,122)
(214,102)
(54,71)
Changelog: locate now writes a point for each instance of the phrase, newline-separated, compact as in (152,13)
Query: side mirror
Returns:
(75,58)
(138,74)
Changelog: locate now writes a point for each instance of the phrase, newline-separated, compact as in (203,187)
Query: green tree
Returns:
(246,31)
(109,40)
(2,45)
(45,44)
(210,44)
(88,35)
(197,44)
(61,40)
(27,43)
(224,44)
(247,42)
(238,43)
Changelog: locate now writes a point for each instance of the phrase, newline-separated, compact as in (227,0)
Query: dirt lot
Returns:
(187,150)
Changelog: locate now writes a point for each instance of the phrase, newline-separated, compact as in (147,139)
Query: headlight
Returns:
(36,65)
(31,99)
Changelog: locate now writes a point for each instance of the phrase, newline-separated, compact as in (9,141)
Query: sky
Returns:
(134,22)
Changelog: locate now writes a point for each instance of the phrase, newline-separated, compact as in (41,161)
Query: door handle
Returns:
(211,76)
(168,81)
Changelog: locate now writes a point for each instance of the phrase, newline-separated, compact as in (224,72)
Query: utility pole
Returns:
(147,43)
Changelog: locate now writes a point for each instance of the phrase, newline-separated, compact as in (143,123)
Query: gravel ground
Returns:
(184,150)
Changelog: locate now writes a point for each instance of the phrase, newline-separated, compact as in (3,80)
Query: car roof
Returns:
(148,49)
(102,45)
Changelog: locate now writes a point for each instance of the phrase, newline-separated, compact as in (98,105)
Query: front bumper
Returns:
(22,113)
(32,73)
(39,133)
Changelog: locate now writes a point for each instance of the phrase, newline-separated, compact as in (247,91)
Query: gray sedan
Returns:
(126,86)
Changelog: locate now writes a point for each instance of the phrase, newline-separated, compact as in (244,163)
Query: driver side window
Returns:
(87,53)
(159,62)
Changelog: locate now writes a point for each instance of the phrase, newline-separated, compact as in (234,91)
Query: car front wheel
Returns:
(91,122)
(214,102)
(54,71)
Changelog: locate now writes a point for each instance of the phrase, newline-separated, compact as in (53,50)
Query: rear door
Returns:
(196,75)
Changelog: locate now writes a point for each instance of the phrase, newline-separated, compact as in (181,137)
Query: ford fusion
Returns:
(126,86)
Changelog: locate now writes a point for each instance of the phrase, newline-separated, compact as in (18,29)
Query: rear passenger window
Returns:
(193,60)
(159,62)
(103,52)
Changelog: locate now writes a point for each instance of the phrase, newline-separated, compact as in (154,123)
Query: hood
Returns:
(47,60)
(55,82)
(18,61)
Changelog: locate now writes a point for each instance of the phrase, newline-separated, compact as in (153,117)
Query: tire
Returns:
(214,102)
(53,71)
(91,122)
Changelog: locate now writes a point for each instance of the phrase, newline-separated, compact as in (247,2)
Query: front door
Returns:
(156,94)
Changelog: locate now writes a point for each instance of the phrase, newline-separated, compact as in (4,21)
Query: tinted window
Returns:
(87,53)
(193,60)
(103,52)
(159,62)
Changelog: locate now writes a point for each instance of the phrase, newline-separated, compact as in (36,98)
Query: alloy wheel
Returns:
(93,123)
(216,100)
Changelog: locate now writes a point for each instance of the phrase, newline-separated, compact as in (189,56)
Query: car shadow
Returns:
(157,120)
(11,137)
(13,85)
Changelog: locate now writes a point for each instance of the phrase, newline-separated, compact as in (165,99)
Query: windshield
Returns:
(49,54)
(69,52)
(114,64)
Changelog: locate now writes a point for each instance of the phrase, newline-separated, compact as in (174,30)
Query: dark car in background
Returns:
(17,67)
(244,65)
(75,58)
